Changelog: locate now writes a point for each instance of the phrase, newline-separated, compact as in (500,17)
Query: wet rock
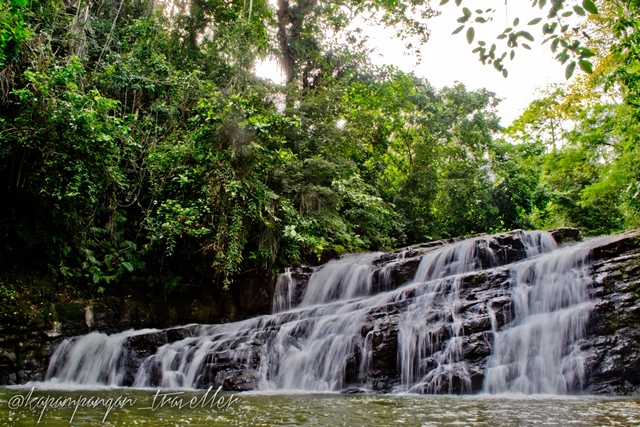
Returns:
(177,334)
(353,391)
(502,310)
(146,344)
(25,356)
(507,248)
(613,330)
(565,235)
(478,324)
(384,356)
(300,276)
(138,348)
(395,274)
(478,346)
(241,381)
(153,370)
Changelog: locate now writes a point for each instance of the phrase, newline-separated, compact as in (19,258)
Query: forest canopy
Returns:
(138,146)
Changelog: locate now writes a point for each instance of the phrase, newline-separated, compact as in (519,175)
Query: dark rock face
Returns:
(137,349)
(384,358)
(300,277)
(24,356)
(221,368)
(565,235)
(614,327)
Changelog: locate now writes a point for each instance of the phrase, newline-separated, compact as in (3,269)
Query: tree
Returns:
(305,29)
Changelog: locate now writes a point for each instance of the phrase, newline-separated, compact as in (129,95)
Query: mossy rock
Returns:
(70,312)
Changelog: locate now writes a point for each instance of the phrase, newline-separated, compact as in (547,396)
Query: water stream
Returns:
(331,340)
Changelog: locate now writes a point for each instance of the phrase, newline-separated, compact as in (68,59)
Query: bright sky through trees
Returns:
(448,58)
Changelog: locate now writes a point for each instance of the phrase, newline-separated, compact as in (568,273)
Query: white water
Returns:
(312,346)
(434,315)
(540,351)
(93,359)
(341,279)
(284,292)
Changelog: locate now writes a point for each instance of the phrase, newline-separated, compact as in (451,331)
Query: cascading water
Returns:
(336,337)
(341,279)
(94,359)
(540,351)
(430,333)
(306,348)
(284,292)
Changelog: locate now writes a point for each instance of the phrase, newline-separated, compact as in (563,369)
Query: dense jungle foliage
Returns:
(137,146)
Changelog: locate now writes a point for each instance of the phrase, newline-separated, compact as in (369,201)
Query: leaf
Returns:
(502,36)
(590,6)
(534,21)
(526,35)
(480,19)
(458,2)
(566,14)
(542,3)
(516,22)
(466,12)
(568,72)
(505,73)
(586,66)
(443,2)
(586,53)
(512,55)
(470,35)
(526,46)
(457,30)
(580,11)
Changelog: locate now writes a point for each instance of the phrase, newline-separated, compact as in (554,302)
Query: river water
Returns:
(309,409)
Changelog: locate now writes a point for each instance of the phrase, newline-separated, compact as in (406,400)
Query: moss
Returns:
(71,312)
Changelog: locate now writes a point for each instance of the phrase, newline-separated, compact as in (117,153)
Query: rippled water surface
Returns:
(140,409)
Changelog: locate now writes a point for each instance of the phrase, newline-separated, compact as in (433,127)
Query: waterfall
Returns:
(433,318)
(345,278)
(94,359)
(540,350)
(284,292)
(353,327)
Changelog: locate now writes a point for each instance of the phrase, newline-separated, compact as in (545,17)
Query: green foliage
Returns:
(586,173)
(24,305)
(138,151)
(13,31)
